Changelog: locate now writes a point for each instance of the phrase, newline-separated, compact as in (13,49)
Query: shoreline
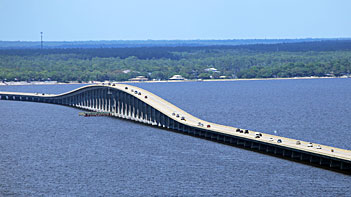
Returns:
(23,83)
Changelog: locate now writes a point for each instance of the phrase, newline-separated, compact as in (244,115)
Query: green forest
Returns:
(303,59)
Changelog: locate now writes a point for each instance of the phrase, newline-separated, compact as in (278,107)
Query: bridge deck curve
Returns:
(169,110)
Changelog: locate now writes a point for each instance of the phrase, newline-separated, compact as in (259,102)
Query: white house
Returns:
(177,77)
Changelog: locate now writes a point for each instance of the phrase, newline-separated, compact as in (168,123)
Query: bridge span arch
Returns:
(120,100)
(136,104)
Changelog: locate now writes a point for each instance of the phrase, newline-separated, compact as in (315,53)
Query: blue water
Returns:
(49,150)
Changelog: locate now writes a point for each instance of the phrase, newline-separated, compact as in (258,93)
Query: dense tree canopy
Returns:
(321,58)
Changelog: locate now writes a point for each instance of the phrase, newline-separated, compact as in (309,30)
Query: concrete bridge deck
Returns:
(135,107)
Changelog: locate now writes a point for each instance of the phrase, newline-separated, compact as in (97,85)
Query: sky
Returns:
(79,20)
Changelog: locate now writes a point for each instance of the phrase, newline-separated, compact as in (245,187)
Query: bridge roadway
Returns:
(318,154)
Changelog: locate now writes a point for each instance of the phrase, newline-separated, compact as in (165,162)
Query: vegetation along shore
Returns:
(21,83)
(326,58)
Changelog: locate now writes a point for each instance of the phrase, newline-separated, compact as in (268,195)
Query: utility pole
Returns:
(41,40)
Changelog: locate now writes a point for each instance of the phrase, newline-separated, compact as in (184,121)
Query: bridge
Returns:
(136,104)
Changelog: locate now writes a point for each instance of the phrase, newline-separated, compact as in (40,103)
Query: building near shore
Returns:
(177,77)
(212,70)
(138,78)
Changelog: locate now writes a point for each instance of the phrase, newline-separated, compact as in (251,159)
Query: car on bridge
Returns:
(258,135)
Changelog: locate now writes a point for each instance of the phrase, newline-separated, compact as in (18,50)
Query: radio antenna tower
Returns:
(41,40)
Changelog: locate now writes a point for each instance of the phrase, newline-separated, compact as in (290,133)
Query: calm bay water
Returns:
(50,150)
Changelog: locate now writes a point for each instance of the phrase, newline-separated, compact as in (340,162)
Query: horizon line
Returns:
(212,39)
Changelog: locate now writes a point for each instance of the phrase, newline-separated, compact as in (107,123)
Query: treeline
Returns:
(167,52)
(146,43)
(89,53)
(322,58)
(299,69)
